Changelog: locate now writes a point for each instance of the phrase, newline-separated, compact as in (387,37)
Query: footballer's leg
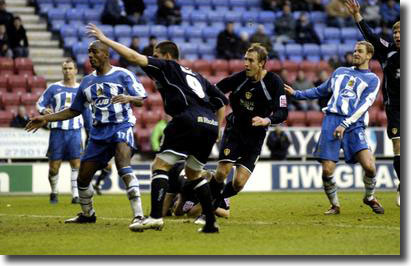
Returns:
(217,185)
(75,165)
(54,166)
(330,186)
(241,176)
(105,174)
(86,173)
(122,157)
(367,162)
(397,159)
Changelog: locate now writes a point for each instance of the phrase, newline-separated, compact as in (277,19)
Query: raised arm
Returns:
(40,121)
(129,54)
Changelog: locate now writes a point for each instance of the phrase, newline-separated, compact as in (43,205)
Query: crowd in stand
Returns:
(13,38)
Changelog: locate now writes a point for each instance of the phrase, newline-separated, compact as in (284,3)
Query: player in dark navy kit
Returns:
(258,100)
(110,91)
(388,54)
(192,102)
(182,202)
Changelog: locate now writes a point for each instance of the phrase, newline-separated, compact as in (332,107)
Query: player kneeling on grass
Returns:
(179,201)
(110,91)
(353,90)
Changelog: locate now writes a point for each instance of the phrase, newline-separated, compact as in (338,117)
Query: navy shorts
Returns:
(64,144)
(393,119)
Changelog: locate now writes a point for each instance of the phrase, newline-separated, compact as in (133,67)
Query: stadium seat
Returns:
(311,49)
(234,16)
(107,30)
(235,65)
(317,17)
(6,64)
(23,63)
(379,102)
(328,50)
(273,65)
(332,33)
(67,30)
(296,119)
(44,8)
(250,17)
(189,48)
(147,83)
(344,48)
(4,83)
(373,116)
(324,65)
(211,32)
(216,16)
(382,118)
(291,66)
(215,79)
(349,33)
(375,66)
(155,101)
(218,3)
(314,118)
(141,30)
(175,31)
(159,31)
(80,48)
(220,66)
(266,16)
(206,49)
(5,118)
(11,98)
(17,81)
(37,91)
(74,14)
(293,49)
(197,17)
(28,99)
(279,48)
(56,14)
(19,91)
(36,82)
(203,67)
(122,31)
(307,66)
(193,32)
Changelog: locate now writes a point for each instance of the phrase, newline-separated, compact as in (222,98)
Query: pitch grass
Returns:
(277,223)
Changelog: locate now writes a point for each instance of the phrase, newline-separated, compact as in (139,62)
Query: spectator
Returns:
(300,5)
(18,39)
(304,30)
(348,57)
(302,83)
(322,77)
(114,13)
(315,5)
(371,12)
(168,13)
(243,44)
(135,45)
(260,37)
(287,79)
(390,13)
(4,43)
(134,10)
(334,62)
(158,132)
(149,49)
(6,17)
(271,5)
(278,143)
(338,15)
(386,33)
(21,119)
(227,41)
(285,26)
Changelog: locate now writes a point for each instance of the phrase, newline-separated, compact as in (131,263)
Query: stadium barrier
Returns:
(267,176)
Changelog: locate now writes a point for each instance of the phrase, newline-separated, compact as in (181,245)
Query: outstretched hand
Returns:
(353,6)
(259,121)
(289,90)
(94,31)
(35,123)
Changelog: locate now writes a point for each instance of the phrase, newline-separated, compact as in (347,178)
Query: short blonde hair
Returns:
(261,51)
(368,45)
(396,25)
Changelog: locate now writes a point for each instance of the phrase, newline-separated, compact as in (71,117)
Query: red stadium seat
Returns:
(314,118)
(6,73)
(3,81)
(16,81)
(29,99)
(37,91)
(215,79)
(308,66)
(220,66)
(324,65)
(3,90)
(373,116)
(273,65)
(154,100)
(148,84)
(36,82)
(186,63)
(149,117)
(31,110)
(382,118)
(11,99)
(5,118)
(375,66)
(25,73)
(296,119)
(23,63)
(379,102)
(11,108)
(19,91)
(6,64)
(291,66)
(202,66)
(311,75)
(290,78)
(87,67)
(235,65)
(143,134)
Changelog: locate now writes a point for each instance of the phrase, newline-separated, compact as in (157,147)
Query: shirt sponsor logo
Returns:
(202,119)
(283,101)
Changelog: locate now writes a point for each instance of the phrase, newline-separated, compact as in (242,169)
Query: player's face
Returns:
(251,64)
(396,36)
(360,55)
(96,56)
(69,70)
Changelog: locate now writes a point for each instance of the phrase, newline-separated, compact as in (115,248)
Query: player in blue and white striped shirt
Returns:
(353,90)
(109,91)
(65,136)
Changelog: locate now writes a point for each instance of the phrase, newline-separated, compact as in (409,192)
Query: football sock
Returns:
(228,191)
(369,183)
(74,189)
(53,183)
(86,198)
(203,193)
(397,168)
(104,174)
(133,190)
(159,186)
(216,188)
(330,189)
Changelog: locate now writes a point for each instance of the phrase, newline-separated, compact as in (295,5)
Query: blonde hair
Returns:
(260,50)
(396,25)
(368,45)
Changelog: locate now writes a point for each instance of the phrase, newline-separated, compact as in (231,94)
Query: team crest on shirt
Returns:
(248,95)
(99,91)
(394,130)
(226,152)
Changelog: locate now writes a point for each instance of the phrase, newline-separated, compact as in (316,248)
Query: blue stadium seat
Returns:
(107,30)
(40,2)
(311,50)
(319,29)
(254,3)
(196,41)
(67,30)
(234,16)
(56,24)
(200,24)
(79,48)
(81,32)
(240,9)
(234,3)
(293,50)
(91,15)
(250,16)
(125,41)
(212,41)
(56,14)
(68,42)
(196,16)
(193,32)
(205,48)
(266,16)
(96,2)
(279,48)
(216,16)
(58,2)
(332,33)
(141,30)
(313,58)
(211,32)
(149,14)
(269,28)
(219,3)
(74,14)
(219,25)
(150,2)
(328,50)
(64,7)
(184,2)
(318,17)
(122,31)
(81,59)
(199,3)
(78,3)
(191,56)
(295,58)
(209,57)
(349,33)
(175,31)
(158,31)
(189,48)
(187,9)
(344,48)
(178,40)
(44,8)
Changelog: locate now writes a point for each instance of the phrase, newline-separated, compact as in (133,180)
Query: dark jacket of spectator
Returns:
(168,13)
(18,39)
(114,13)
(261,37)
(278,143)
(134,10)
(6,17)
(304,31)
(390,12)
(285,25)
(149,49)
(21,119)
(227,43)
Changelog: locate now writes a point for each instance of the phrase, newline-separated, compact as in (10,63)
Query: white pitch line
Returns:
(394,228)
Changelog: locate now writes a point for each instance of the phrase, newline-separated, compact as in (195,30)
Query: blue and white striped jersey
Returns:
(353,92)
(97,92)
(58,97)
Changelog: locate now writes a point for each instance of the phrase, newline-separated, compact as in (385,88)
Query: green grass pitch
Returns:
(276,223)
